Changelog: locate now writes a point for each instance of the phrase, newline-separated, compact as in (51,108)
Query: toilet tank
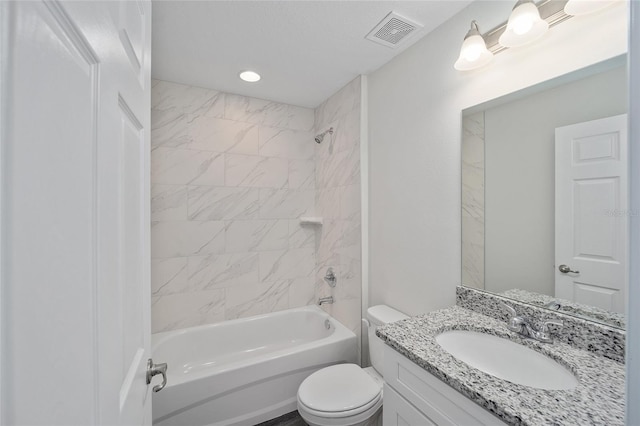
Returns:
(380,315)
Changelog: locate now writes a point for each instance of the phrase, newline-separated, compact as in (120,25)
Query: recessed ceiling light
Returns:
(249,76)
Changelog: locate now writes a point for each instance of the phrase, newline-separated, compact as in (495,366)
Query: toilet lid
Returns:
(342,387)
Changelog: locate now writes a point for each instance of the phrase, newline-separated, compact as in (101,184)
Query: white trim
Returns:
(364,211)
(6,26)
(3,51)
(633,316)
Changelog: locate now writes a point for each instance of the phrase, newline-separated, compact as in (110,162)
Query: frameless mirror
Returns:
(544,194)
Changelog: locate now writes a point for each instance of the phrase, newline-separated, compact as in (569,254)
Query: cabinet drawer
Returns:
(439,402)
(398,412)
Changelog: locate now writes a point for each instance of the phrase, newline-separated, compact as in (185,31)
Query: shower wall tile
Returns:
(302,291)
(256,172)
(302,174)
(184,238)
(181,99)
(267,113)
(222,203)
(211,134)
(338,201)
(169,276)
(168,202)
(257,299)
(286,264)
(276,142)
(339,105)
(257,235)
(301,236)
(182,310)
(286,203)
(177,166)
(230,177)
(223,270)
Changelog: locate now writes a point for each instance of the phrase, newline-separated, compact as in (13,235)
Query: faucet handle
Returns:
(546,324)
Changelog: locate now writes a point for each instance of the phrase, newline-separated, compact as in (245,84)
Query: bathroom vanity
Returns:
(428,385)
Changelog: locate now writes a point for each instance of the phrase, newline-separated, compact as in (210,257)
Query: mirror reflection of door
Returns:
(591,216)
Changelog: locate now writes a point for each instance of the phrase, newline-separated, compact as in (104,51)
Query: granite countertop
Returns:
(597,400)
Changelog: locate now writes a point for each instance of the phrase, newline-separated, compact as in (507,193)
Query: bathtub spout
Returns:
(324,300)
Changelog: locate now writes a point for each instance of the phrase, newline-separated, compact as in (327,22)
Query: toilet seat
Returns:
(340,391)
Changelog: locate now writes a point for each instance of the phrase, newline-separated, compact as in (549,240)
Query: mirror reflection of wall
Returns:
(508,179)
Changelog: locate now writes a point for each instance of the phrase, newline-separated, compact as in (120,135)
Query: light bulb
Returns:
(473,53)
(249,76)
(524,25)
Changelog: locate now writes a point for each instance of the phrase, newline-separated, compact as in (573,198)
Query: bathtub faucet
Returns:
(324,300)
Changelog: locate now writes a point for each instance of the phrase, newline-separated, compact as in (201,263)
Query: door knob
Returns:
(155,369)
(565,269)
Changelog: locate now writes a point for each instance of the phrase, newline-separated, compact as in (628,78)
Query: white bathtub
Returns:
(245,371)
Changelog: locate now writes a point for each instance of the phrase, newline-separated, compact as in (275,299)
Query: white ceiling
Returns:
(304,50)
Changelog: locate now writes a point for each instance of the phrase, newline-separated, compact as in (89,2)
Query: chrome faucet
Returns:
(523,326)
(324,300)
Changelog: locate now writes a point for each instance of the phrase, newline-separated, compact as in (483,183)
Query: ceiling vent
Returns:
(392,30)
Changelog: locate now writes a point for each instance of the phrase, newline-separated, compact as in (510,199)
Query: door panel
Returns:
(591,212)
(75,189)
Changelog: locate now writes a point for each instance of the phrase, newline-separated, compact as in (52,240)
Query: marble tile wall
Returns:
(473,200)
(230,176)
(337,200)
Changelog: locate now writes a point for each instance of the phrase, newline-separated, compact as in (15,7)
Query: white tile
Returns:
(179,239)
(329,242)
(186,99)
(286,264)
(302,292)
(255,171)
(350,204)
(259,111)
(302,174)
(185,166)
(301,236)
(256,235)
(257,299)
(223,270)
(347,131)
(169,129)
(169,276)
(340,169)
(168,202)
(286,203)
(339,104)
(328,202)
(218,203)
(183,310)
(220,135)
(286,143)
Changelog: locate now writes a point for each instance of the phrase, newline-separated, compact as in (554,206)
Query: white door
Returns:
(75,202)
(591,213)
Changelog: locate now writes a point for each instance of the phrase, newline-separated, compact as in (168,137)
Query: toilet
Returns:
(346,394)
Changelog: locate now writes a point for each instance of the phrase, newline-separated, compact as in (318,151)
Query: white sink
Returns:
(507,360)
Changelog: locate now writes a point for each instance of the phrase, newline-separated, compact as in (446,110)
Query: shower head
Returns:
(320,137)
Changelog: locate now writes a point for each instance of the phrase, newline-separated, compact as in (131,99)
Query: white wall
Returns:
(414,142)
(520,176)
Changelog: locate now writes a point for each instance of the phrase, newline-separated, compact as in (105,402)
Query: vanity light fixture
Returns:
(249,76)
(584,7)
(524,26)
(473,53)
(528,21)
